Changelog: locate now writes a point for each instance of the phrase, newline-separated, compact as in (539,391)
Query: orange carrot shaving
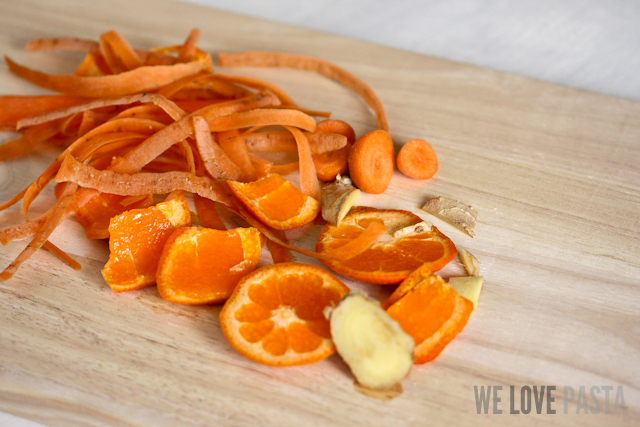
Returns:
(141,79)
(301,62)
(14,108)
(158,143)
(43,234)
(187,51)
(139,184)
(207,212)
(216,161)
(278,252)
(169,106)
(28,140)
(61,43)
(60,254)
(275,142)
(126,57)
(309,183)
(263,117)
(236,150)
(262,85)
(417,159)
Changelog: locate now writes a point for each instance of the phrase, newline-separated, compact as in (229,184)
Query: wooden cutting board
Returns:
(552,171)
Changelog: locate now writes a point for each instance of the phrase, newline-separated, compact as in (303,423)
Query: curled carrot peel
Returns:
(302,62)
(275,142)
(168,106)
(216,161)
(43,234)
(145,78)
(139,184)
(308,179)
(16,107)
(208,214)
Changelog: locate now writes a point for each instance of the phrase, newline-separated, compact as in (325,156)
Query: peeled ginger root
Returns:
(377,350)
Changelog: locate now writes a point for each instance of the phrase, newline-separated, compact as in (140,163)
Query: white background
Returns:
(586,44)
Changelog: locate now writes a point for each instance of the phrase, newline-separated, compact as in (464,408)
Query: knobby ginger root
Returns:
(454,212)
(337,199)
(378,351)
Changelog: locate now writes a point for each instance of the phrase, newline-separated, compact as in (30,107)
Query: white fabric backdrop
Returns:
(587,44)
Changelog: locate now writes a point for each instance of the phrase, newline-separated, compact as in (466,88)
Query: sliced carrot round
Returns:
(275,314)
(372,162)
(393,256)
(417,159)
(202,266)
(433,313)
(276,202)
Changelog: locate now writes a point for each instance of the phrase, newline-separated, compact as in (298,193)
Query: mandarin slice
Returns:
(97,213)
(391,259)
(276,202)
(202,265)
(275,314)
(433,313)
(136,241)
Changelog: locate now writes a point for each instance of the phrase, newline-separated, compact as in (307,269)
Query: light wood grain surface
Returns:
(552,171)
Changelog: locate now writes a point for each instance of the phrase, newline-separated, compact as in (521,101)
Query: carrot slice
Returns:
(417,159)
(141,79)
(302,62)
(372,162)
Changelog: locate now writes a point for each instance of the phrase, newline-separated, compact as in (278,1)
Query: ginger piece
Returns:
(337,199)
(412,230)
(454,212)
(377,350)
(470,263)
(468,287)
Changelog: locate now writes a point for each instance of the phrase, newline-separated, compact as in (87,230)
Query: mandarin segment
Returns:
(96,214)
(136,240)
(433,313)
(276,202)
(391,258)
(203,266)
(293,296)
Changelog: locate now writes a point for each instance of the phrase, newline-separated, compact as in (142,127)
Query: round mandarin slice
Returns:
(275,314)
(408,244)
(202,266)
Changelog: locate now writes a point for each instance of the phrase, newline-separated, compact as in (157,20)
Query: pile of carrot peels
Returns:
(135,123)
